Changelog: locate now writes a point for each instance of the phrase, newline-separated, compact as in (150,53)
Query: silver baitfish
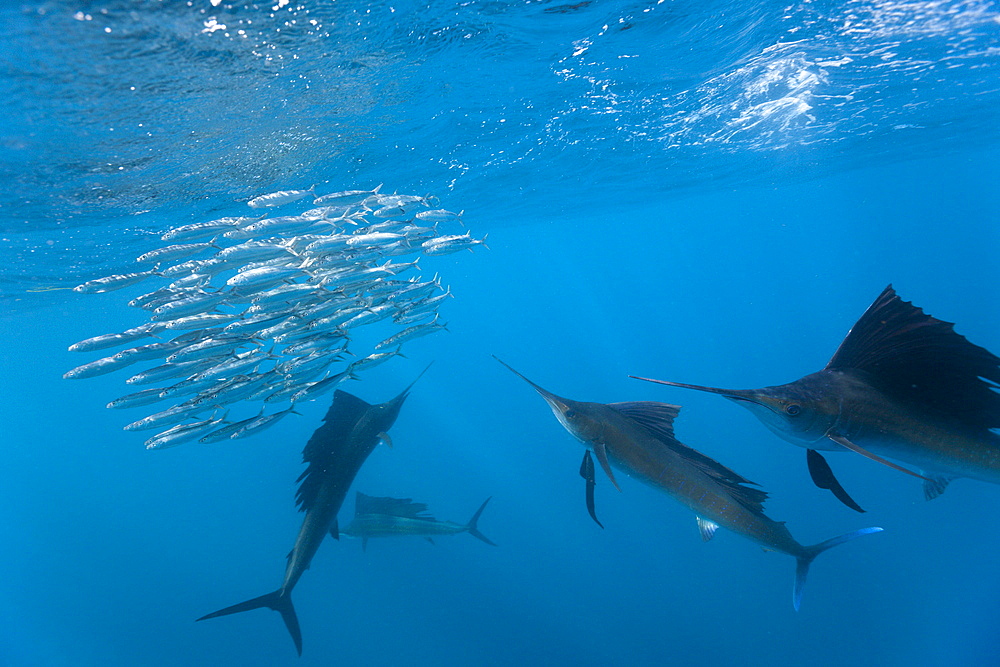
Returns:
(95,368)
(116,282)
(105,341)
(226,431)
(345,197)
(315,389)
(182,433)
(445,245)
(137,399)
(172,253)
(410,333)
(191,305)
(262,423)
(279,198)
(167,371)
(200,321)
(173,415)
(201,230)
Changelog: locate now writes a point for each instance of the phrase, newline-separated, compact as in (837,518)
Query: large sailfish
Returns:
(335,453)
(638,439)
(902,385)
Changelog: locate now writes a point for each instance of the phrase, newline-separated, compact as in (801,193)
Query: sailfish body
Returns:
(637,438)
(902,385)
(401,517)
(335,453)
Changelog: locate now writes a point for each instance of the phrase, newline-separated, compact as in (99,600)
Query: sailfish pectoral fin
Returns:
(601,452)
(822,476)
(587,472)
(384,437)
(844,442)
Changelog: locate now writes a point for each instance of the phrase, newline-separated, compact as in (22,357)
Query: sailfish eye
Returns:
(792,409)
(570,414)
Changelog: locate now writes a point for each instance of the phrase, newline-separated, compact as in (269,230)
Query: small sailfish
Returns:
(902,385)
(638,439)
(335,453)
(401,517)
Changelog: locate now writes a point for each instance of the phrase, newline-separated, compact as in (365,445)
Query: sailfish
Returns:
(335,453)
(638,439)
(902,385)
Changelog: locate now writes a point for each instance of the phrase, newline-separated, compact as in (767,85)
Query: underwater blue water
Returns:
(705,192)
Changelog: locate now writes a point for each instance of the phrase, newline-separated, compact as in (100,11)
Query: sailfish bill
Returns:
(902,385)
(638,439)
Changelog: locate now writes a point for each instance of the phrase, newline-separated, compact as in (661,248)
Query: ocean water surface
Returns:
(708,192)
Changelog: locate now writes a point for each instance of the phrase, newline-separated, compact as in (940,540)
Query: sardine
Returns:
(137,399)
(172,253)
(95,368)
(116,282)
(105,341)
(200,230)
(279,198)
(183,433)
(410,333)
(347,197)
(262,423)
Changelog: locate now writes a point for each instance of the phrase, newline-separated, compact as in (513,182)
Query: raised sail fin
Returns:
(922,361)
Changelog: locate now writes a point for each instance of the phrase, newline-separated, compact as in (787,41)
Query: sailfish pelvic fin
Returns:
(587,472)
(822,477)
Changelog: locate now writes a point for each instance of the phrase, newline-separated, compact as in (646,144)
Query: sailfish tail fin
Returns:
(471,527)
(810,553)
(276,601)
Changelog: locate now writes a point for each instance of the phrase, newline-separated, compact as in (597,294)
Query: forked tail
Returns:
(471,527)
(276,601)
(805,560)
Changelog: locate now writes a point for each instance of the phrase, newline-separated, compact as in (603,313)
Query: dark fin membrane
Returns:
(922,360)
(657,420)
(935,485)
(334,530)
(587,472)
(823,477)
(327,444)
(404,507)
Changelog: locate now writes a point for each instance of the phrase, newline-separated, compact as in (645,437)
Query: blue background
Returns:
(737,262)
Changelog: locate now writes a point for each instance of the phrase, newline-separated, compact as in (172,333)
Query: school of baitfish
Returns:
(264,308)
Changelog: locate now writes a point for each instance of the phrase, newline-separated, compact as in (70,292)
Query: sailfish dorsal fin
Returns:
(402,507)
(657,419)
(921,360)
